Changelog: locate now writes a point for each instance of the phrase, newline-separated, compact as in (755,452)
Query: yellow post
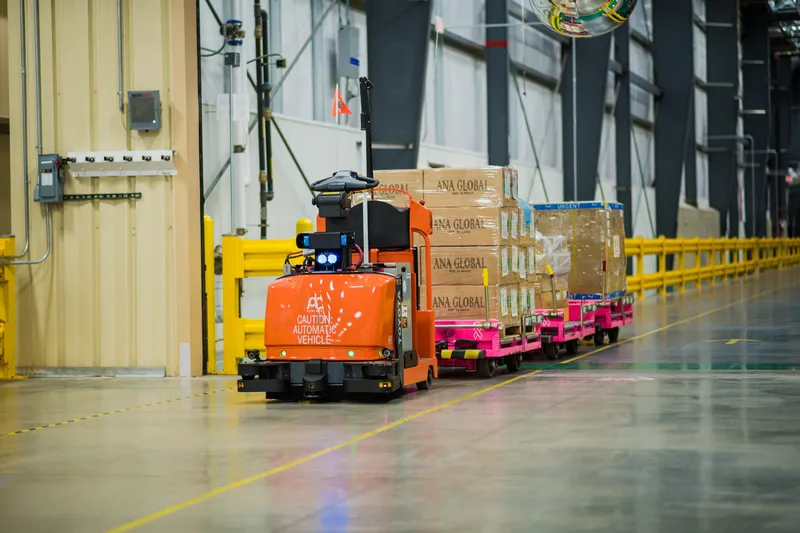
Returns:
(682,264)
(640,268)
(304,225)
(211,312)
(712,262)
(8,317)
(232,331)
(662,266)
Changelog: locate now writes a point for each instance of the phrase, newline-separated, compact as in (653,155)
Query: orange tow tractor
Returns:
(349,320)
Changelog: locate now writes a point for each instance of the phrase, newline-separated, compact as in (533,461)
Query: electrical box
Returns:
(144,110)
(349,52)
(50,181)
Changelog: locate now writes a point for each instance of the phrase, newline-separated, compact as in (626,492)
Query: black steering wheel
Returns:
(344,181)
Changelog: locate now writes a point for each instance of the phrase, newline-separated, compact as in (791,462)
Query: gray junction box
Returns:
(50,181)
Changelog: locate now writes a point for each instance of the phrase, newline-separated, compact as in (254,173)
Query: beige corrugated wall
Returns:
(122,287)
(5,167)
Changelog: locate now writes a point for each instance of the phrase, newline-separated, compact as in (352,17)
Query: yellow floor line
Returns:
(108,413)
(287,466)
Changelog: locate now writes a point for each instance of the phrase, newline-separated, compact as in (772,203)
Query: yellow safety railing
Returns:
(711,260)
(8,325)
(242,258)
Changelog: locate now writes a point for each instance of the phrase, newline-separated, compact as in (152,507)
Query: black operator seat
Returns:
(389,226)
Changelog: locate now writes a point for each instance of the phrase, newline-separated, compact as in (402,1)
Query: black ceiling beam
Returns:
(756,20)
(592,67)
(497,88)
(782,111)
(673,61)
(623,123)
(397,50)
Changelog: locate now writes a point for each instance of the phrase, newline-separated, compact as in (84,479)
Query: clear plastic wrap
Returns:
(552,250)
(463,265)
(467,302)
(477,226)
(470,187)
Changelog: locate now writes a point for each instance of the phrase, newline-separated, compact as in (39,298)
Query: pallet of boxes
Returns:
(584,244)
(476,225)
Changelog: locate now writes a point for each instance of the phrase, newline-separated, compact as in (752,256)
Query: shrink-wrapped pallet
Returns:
(470,187)
(595,244)
(467,302)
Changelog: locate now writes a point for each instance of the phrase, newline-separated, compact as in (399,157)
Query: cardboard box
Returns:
(477,226)
(593,241)
(470,187)
(463,265)
(406,180)
(527,298)
(527,224)
(466,302)
(543,290)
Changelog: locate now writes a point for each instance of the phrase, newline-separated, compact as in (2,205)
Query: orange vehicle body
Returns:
(351,316)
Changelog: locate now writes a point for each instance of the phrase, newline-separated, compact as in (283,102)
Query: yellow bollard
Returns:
(8,324)
(304,225)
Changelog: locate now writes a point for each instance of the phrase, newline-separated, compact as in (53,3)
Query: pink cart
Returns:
(609,316)
(484,346)
(557,332)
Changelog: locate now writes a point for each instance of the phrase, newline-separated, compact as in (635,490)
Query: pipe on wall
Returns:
(119,57)
(25,183)
(47,216)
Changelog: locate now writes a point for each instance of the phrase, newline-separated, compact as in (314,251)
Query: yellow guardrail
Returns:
(8,325)
(241,259)
(711,260)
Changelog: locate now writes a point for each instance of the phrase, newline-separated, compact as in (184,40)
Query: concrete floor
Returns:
(665,432)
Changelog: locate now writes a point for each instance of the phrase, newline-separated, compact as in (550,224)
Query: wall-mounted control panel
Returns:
(144,110)
(50,181)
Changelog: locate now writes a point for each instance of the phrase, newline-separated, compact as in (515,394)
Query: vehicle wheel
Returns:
(550,351)
(572,346)
(486,367)
(598,337)
(428,383)
(613,335)
(514,362)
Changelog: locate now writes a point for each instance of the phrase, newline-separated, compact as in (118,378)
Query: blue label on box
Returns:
(354,61)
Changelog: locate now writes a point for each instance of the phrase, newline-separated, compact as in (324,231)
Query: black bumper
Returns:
(319,379)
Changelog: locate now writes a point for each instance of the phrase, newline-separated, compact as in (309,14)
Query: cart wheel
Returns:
(572,346)
(428,383)
(550,351)
(486,367)
(514,362)
(613,335)
(598,337)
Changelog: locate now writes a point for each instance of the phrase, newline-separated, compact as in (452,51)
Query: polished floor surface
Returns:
(690,424)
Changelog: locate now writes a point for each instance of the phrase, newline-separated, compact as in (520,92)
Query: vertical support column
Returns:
(673,62)
(783,134)
(497,90)
(398,36)
(756,110)
(622,121)
(722,60)
(591,74)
